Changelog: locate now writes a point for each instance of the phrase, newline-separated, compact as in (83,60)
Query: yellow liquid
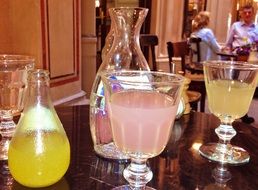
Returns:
(229,98)
(39,159)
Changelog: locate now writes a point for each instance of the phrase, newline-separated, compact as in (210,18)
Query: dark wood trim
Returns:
(185,17)
(205,5)
(146,25)
(44,25)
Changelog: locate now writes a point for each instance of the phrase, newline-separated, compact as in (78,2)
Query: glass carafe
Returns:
(39,152)
(125,54)
(108,42)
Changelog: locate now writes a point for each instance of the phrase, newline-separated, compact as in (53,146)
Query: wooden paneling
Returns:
(49,30)
(60,19)
(20,31)
(61,40)
(5,39)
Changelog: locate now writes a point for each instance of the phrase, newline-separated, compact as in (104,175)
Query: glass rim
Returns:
(38,71)
(129,8)
(38,75)
(230,64)
(179,78)
(14,58)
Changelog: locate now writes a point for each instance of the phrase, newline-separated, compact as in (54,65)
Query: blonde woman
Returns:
(209,46)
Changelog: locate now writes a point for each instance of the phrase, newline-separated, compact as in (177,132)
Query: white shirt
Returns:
(209,46)
(241,34)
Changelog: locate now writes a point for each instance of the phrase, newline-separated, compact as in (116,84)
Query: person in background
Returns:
(209,46)
(243,33)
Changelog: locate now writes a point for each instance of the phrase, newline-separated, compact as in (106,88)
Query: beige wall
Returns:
(166,22)
(221,17)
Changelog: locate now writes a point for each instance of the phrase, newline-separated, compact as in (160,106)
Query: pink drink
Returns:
(141,121)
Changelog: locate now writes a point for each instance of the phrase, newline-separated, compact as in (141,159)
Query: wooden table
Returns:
(227,55)
(233,56)
(195,68)
(179,167)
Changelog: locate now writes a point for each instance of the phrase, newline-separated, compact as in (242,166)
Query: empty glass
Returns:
(13,82)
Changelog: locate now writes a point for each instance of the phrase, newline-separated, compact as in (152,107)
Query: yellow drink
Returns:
(39,159)
(229,98)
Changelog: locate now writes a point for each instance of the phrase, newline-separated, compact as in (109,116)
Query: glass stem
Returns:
(221,175)
(225,133)
(138,174)
(7,126)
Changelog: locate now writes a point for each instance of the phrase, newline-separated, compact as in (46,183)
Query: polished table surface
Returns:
(227,55)
(179,167)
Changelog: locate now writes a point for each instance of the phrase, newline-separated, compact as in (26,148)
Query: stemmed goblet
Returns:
(230,86)
(13,82)
(142,107)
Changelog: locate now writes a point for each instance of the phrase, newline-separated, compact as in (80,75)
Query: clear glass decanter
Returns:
(125,54)
(39,152)
(108,42)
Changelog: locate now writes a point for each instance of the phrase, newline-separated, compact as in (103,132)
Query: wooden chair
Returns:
(195,48)
(174,51)
(149,41)
(181,49)
(178,49)
(195,65)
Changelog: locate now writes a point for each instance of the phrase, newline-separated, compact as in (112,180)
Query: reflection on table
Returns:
(178,167)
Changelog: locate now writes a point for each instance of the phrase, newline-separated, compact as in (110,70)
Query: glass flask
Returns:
(39,152)
(125,54)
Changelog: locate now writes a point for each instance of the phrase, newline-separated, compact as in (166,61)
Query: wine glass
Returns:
(13,81)
(142,107)
(230,86)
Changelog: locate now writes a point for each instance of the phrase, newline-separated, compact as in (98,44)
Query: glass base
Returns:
(221,175)
(128,187)
(238,155)
(137,174)
(5,177)
(110,151)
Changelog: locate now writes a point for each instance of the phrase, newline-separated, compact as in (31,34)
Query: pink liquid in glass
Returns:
(141,121)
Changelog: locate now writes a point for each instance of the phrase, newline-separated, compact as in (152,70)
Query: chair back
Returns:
(182,49)
(195,48)
(177,49)
(170,55)
(149,41)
